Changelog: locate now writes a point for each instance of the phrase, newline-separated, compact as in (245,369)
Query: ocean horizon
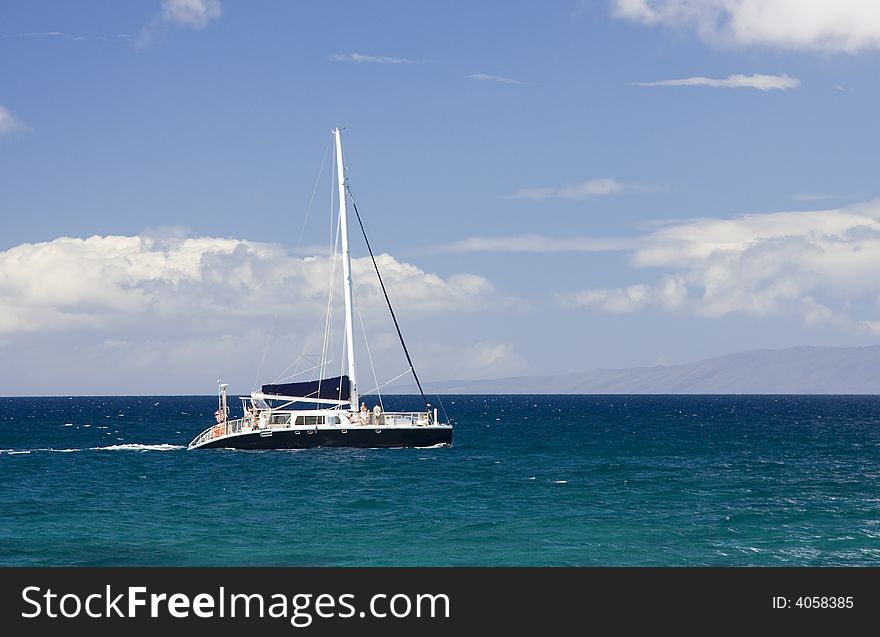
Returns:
(543,480)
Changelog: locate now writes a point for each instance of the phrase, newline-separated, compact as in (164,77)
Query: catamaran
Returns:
(324,412)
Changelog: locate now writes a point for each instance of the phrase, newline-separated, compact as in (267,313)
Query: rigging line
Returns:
(327,316)
(443,409)
(342,372)
(296,249)
(370,356)
(314,190)
(265,351)
(283,379)
(388,382)
(329,325)
(328,319)
(328,339)
(385,292)
(303,355)
(334,249)
(342,361)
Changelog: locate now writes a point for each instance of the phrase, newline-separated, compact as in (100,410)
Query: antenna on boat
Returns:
(222,406)
(346,269)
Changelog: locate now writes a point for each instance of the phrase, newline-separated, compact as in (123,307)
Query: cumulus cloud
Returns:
(581,190)
(820,265)
(166,313)
(670,294)
(9,124)
(374,59)
(195,14)
(823,25)
(482,77)
(105,282)
(757,81)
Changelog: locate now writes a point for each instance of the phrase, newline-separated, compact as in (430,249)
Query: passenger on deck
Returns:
(364,415)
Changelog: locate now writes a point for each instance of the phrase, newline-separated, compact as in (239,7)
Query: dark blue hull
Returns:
(359,437)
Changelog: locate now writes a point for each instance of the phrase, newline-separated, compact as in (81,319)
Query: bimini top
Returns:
(336,388)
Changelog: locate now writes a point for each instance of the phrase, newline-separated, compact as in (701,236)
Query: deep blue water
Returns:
(530,480)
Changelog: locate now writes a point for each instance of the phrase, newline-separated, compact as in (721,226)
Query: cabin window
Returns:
(309,420)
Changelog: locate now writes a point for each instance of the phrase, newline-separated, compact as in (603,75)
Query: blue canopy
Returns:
(336,388)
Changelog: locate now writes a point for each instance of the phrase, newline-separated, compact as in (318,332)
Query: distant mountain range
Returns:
(797,370)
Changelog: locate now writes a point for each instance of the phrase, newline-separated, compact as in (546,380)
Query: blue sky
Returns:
(557,186)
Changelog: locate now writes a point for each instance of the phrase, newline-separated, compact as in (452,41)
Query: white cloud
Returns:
(582,190)
(757,81)
(614,301)
(168,314)
(375,59)
(670,294)
(193,13)
(482,77)
(9,124)
(820,265)
(824,25)
(196,14)
(116,281)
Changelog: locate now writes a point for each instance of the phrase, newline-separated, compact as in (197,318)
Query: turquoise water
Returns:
(530,480)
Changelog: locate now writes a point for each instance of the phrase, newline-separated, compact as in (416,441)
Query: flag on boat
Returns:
(218,416)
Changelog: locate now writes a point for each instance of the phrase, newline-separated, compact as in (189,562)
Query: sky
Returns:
(551,186)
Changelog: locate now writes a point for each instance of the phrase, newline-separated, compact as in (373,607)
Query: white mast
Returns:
(346,269)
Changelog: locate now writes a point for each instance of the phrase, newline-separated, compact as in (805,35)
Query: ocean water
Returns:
(530,480)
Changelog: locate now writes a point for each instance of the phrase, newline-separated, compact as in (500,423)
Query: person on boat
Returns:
(377,415)
(364,415)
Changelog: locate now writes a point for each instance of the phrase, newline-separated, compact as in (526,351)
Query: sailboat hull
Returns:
(355,436)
